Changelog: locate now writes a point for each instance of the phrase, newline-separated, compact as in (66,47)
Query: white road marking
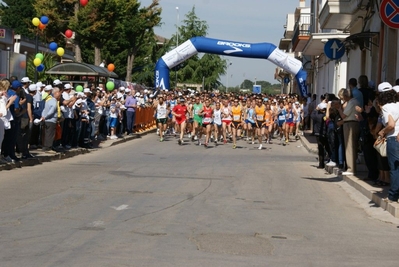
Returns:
(121,207)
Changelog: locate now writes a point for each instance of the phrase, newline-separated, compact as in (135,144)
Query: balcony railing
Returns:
(302,27)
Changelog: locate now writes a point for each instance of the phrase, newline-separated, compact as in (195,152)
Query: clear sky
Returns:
(252,21)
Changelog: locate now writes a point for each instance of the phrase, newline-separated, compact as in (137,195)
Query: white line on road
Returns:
(121,207)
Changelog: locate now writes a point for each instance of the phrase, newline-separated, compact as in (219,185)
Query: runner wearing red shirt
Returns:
(179,111)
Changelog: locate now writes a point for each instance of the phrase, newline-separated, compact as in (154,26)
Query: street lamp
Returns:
(227,75)
(177,39)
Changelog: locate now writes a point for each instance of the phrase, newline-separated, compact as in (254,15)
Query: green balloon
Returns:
(79,88)
(39,55)
(110,86)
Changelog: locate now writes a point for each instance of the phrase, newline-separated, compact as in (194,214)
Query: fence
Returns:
(144,119)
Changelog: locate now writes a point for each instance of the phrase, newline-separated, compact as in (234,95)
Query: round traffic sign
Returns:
(389,13)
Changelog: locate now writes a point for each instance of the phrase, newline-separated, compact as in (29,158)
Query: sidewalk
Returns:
(372,192)
(41,157)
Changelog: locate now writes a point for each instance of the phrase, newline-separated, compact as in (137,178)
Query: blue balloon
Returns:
(40,68)
(44,20)
(53,46)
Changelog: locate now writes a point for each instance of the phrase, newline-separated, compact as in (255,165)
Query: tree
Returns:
(195,68)
(18,16)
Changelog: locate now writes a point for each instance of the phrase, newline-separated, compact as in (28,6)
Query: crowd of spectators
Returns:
(55,117)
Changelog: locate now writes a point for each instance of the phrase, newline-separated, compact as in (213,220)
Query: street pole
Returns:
(227,75)
(177,40)
(36,51)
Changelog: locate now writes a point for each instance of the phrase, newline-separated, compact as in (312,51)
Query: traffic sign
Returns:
(334,49)
(389,13)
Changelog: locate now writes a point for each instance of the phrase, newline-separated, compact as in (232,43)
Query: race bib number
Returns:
(236,117)
(207,120)
(196,111)
(290,116)
(217,116)
(259,117)
(281,118)
(267,120)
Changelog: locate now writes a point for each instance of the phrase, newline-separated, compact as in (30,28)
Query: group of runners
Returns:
(224,118)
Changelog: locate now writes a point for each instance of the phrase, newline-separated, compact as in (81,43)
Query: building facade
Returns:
(370,44)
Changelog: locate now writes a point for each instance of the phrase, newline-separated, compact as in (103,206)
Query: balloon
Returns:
(68,33)
(111,67)
(60,51)
(44,20)
(42,26)
(40,68)
(22,64)
(79,88)
(84,2)
(37,62)
(39,55)
(110,86)
(53,46)
(35,22)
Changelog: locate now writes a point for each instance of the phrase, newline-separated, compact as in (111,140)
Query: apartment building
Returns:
(370,44)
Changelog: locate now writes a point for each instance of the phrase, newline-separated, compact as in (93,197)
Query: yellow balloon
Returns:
(37,61)
(36,21)
(60,51)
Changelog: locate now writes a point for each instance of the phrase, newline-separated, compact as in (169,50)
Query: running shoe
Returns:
(234,146)
(286,141)
(157,131)
(199,142)
(179,142)
(216,141)
(189,135)
(206,145)
(161,139)
(260,147)
(224,141)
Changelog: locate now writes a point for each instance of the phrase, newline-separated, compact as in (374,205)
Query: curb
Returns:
(307,145)
(40,159)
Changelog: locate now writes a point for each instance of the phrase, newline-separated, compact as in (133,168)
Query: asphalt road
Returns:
(146,203)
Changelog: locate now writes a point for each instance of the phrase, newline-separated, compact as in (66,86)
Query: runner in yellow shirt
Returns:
(237,121)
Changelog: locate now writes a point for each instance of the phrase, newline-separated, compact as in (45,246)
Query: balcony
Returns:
(301,32)
(339,14)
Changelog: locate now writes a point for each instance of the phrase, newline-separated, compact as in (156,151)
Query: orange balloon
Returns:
(22,64)
(111,67)
(42,26)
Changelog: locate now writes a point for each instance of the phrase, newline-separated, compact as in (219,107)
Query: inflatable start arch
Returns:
(230,48)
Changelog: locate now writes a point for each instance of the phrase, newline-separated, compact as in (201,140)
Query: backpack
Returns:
(38,110)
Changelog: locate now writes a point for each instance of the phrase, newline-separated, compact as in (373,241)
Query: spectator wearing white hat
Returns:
(27,123)
(50,117)
(67,101)
(131,105)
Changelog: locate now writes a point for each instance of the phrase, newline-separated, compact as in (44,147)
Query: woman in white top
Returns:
(5,115)
(388,102)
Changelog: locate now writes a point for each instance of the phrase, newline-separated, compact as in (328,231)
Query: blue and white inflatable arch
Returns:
(230,48)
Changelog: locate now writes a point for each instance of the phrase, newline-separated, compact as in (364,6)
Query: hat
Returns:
(67,86)
(122,88)
(296,103)
(25,80)
(81,94)
(86,90)
(119,95)
(48,88)
(182,99)
(145,91)
(15,84)
(383,87)
(40,84)
(78,101)
(57,82)
(32,87)
(127,90)
(137,94)
(396,88)
(151,95)
(322,105)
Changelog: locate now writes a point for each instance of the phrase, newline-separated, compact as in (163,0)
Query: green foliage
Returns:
(49,61)
(18,16)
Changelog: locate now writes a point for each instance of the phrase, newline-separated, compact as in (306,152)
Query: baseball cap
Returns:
(383,87)
(40,84)
(322,105)
(25,80)
(182,99)
(396,88)
(57,82)
(122,88)
(67,86)
(48,88)
(86,90)
(127,90)
(32,87)
(16,84)
(137,94)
